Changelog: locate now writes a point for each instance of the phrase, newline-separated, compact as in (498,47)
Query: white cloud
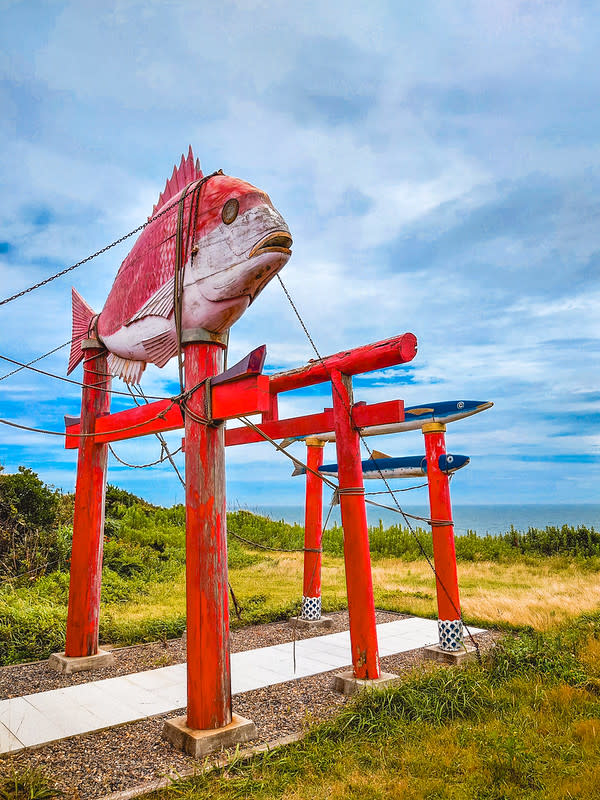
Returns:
(433,162)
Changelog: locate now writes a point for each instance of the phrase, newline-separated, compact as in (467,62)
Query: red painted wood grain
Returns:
(444,553)
(313,522)
(88,523)
(208,660)
(357,558)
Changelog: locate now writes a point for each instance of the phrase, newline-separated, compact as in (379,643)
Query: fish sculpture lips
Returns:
(223,238)
(278,242)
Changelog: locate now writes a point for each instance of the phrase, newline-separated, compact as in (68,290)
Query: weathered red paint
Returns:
(209,692)
(273,412)
(357,558)
(208,672)
(387,353)
(444,553)
(163,416)
(313,520)
(312,424)
(88,523)
(245,395)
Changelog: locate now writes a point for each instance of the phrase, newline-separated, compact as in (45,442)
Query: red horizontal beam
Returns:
(145,420)
(363,416)
(282,428)
(380,355)
(248,395)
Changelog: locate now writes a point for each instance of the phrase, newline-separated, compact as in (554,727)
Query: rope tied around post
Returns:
(350,491)
(183,398)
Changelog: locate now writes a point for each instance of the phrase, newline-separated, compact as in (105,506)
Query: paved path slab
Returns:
(44,717)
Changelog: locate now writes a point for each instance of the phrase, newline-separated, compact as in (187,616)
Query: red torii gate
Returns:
(210,398)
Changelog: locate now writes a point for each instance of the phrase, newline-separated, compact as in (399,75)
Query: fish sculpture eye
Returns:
(230,211)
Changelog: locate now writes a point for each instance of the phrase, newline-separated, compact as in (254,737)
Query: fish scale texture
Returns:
(146,269)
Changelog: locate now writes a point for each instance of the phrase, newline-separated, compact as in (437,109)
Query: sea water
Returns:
(493,519)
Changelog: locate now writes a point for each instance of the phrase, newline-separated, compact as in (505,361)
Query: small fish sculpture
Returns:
(211,245)
(384,466)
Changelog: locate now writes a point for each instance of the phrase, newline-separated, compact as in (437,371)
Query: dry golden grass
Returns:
(539,594)
(542,594)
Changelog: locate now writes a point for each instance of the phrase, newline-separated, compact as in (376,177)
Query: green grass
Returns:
(524,724)
(536,578)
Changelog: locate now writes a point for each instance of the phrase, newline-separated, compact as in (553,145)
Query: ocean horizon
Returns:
(483,519)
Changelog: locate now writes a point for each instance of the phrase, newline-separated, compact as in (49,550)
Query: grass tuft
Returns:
(27,784)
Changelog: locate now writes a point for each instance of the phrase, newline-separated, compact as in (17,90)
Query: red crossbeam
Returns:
(363,416)
(145,419)
(254,394)
(247,395)
(380,355)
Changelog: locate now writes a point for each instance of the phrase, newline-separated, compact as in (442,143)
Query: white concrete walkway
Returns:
(58,714)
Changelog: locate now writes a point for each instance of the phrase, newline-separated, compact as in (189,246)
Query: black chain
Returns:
(398,508)
(34,360)
(300,320)
(94,255)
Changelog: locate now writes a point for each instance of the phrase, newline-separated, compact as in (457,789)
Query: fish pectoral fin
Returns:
(161,348)
(419,411)
(379,454)
(126,368)
(160,304)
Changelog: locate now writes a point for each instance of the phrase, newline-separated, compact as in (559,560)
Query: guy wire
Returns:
(388,487)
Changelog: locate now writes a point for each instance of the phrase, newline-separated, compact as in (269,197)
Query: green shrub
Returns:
(568,539)
(30,631)
(28,524)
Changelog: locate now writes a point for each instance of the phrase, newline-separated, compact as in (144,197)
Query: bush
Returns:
(29,534)
(567,540)
(30,631)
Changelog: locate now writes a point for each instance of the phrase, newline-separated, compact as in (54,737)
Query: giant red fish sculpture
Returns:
(210,246)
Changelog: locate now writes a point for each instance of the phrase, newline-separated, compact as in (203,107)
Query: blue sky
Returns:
(437,164)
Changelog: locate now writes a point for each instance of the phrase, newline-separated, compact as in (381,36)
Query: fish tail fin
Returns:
(298,471)
(82,318)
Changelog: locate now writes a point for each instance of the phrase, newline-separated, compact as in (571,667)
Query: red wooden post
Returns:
(357,558)
(208,673)
(88,522)
(313,531)
(450,627)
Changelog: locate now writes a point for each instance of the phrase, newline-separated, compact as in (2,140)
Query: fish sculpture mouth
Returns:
(274,242)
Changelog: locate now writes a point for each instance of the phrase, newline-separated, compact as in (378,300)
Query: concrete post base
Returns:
(199,744)
(311,624)
(435,653)
(69,664)
(346,683)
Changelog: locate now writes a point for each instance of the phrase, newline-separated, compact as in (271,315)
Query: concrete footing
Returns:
(69,664)
(435,653)
(346,683)
(201,743)
(311,624)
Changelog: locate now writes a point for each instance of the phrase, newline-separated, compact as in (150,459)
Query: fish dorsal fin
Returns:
(379,454)
(187,171)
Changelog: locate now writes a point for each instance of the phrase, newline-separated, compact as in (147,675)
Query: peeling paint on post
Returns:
(208,663)
(88,522)
(357,558)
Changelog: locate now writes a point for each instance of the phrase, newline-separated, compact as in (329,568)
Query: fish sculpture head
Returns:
(210,246)
(240,242)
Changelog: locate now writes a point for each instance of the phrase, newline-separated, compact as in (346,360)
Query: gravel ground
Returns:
(97,764)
